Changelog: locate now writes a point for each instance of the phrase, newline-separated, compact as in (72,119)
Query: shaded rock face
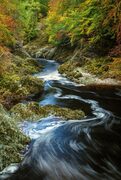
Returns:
(46,52)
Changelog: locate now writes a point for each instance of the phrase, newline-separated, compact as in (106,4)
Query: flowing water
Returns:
(86,149)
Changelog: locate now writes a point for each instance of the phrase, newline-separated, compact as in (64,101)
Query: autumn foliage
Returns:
(92,24)
(8,23)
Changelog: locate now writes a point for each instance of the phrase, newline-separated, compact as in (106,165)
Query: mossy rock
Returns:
(33,84)
(114,69)
(26,66)
(98,66)
(66,113)
(12,141)
(2,109)
(28,111)
(17,83)
(21,66)
(32,111)
(70,70)
(15,88)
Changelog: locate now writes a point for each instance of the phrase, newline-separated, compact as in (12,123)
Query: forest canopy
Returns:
(91,24)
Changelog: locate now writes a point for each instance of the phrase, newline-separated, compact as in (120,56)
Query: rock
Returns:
(12,140)
(52,52)
(2,110)
(11,169)
(46,52)
(32,112)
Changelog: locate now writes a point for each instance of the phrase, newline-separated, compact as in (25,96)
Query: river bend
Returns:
(82,149)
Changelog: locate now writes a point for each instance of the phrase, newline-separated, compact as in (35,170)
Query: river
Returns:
(85,149)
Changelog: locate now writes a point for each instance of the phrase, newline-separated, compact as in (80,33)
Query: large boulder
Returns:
(46,52)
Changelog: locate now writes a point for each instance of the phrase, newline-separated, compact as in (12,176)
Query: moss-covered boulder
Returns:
(98,66)
(17,83)
(32,84)
(12,141)
(114,69)
(98,70)
(32,111)
(46,52)
(25,65)
(15,88)
(69,69)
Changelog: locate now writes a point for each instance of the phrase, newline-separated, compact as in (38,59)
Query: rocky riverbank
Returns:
(83,74)
(17,81)
(12,140)
(80,66)
(18,85)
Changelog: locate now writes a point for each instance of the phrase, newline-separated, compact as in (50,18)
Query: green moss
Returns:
(114,69)
(17,83)
(32,111)
(32,84)
(28,111)
(105,67)
(66,113)
(25,65)
(12,141)
(98,66)
(69,69)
